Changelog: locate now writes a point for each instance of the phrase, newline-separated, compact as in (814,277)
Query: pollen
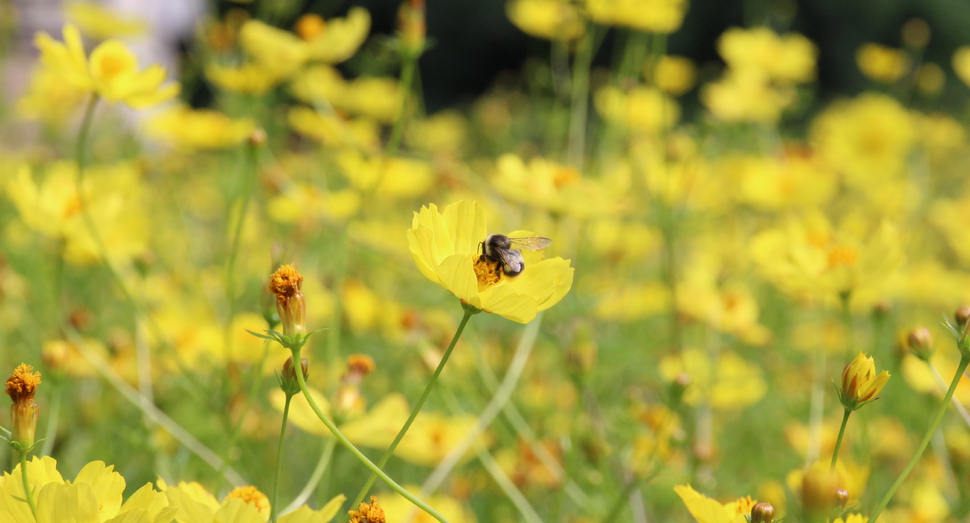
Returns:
(252,496)
(285,282)
(368,513)
(22,385)
(488,272)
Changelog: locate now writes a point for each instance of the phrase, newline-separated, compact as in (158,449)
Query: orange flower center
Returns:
(842,256)
(488,272)
(252,496)
(112,65)
(309,26)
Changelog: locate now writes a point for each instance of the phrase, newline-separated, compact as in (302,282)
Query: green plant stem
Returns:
(23,474)
(838,442)
(580,99)
(964,361)
(415,410)
(274,505)
(621,500)
(252,162)
(407,78)
(356,452)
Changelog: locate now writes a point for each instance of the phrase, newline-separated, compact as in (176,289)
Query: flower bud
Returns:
(411,26)
(762,513)
(920,342)
(286,285)
(21,386)
(961,316)
(860,384)
(843,496)
(288,380)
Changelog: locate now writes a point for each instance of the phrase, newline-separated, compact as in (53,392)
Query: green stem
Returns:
(964,361)
(580,99)
(356,452)
(27,493)
(838,442)
(274,506)
(252,161)
(621,500)
(407,78)
(416,409)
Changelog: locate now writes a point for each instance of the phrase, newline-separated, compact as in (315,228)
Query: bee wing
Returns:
(509,258)
(531,243)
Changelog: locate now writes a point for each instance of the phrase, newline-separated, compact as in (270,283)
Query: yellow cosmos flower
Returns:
(642,109)
(656,16)
(707,510)
(340,38)
(445,247)
(111,72)
(549,19)
(746,96)
(881,63)
(250,78)
(785,59)
(860,384)
(102,22)
(961,63)
(49,98)
(726,383)
(242,505)
(194,129)
(95,495)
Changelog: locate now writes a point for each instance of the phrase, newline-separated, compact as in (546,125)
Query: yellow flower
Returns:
(445,247)
(656,16)
(393,177)
(785,59)
(452,509)
(250,78)
(548,185)
(340,37)
(111,72)
(275,50)
(881,63)
(642,109)
(727,383)
(192,129)
(549,19)
(333,131)
(49,98)
(860,384)
(707,510)
(746,96)
(102,22)
(961,63)
(94,495)
(375,97)
(243,505)
(673,74)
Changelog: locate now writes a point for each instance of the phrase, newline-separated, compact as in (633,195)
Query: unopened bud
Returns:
(843,496)
(257,138)
(21,387)
(920,341)
(962,315)
(288,380)
(411,26)
(762,513)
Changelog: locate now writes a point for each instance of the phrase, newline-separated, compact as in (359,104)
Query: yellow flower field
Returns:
(260,280)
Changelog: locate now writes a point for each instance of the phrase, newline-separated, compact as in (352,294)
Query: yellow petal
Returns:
(108,486)
(466,222)
(305,515)
(505,301)
(457,274)
(703,508)
(67,503)
(238,511)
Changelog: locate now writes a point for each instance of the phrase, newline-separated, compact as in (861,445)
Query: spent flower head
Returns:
(286,285)
(21,387)
(860,383)
(445,247)
(368,513)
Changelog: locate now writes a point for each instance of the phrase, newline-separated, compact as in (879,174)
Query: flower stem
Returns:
(23,474)
(407,78)
(964,361)
(274,506)
(838,442)
(416,409)
(580,99)
(356,452)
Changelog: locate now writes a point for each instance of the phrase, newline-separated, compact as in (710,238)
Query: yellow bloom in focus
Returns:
(445,247)
(95,495)
(860,384)
(881,63)
(961,63)
(194,129)
(868,138)
(549,19)
(655,16)
(101,22)
(707,510)
(111,72)
(243,505)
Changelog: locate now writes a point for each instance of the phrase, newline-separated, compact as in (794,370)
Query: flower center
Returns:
(488,273)
(842,256)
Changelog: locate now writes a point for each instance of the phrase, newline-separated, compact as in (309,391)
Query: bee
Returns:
(498,248)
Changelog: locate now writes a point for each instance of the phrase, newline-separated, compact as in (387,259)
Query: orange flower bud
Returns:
(860,384)
(21,387)
(285,284)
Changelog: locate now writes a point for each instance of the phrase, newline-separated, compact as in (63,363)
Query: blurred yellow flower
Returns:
(641,110)
(395,177)
(728,382)
(340,37)
(94,495)
(549,19)
(867,138)
(375,97)
(548,185)
(881,63)
(451,508)
(860,384)
(445,247)
(961,63)
(930,79)
(785,59)
(810,256)
(194,129)
(746,96)
(779,183)
(101,22)
(111,72)
(444,132)
(707,510)
(655,16)
(49,98)
(672,74)
(249,78)
(331,130)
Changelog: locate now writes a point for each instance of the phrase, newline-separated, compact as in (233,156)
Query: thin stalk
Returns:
(622,499)
(407,78)
(415,410)
(838,442)
(27,493)
(252,161)
(942,384)
(580,99)
(964,361)
(279,461)
(356,452)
